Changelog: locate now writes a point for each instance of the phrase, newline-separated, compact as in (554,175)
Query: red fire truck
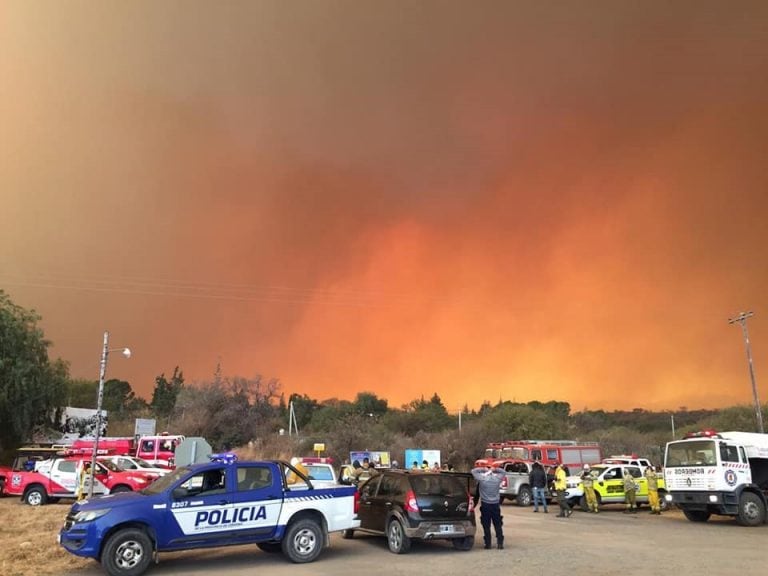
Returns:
(158,450)
(570,453)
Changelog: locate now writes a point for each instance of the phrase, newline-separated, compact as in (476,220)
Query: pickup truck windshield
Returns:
(164,482)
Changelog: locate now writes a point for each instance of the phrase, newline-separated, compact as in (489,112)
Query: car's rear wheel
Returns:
(127,553)
(303,541)
(397,540)
(524,496)
(464,544)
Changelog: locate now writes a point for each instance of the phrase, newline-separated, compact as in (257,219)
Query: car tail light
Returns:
(470,504)
(357,501)
(504,482)
(411,504)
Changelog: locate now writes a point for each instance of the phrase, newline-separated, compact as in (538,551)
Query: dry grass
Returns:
(28,536)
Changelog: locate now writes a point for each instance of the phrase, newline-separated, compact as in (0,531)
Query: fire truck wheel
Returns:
(127,553)
(36,496)
(751,510)
(303,541)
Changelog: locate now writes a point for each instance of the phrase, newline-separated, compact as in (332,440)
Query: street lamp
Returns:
(102,371)
(742,319)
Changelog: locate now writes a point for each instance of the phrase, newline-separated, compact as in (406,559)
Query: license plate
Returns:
(447,528)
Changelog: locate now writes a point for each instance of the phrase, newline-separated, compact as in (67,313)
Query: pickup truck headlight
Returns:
(90,515)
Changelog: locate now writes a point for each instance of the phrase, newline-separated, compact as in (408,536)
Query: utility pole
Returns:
(292,425)
(742,319)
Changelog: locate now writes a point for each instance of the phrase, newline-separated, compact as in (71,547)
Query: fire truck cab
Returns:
(719,473)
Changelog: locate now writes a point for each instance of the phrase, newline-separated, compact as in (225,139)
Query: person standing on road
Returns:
(489,483)
(630,492)
(83,480)
(560,485)
(538,481)
(588,481)
(653,489)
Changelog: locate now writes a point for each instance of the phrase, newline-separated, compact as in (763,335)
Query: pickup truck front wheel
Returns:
(303,541)
(128,552)
(36,496)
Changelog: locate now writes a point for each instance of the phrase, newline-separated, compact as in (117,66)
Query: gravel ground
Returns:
(609,543)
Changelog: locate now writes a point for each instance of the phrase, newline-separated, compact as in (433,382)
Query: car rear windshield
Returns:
(431,484)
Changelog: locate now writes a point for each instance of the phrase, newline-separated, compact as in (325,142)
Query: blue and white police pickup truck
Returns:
(220,503)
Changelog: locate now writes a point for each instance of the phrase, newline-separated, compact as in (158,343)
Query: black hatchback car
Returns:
(411,505)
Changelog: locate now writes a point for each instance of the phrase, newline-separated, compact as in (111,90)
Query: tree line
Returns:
(253,413)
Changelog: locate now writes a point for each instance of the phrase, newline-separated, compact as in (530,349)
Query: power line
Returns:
(242,293)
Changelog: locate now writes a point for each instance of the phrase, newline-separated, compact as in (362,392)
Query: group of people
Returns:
(489,479)
(631,487)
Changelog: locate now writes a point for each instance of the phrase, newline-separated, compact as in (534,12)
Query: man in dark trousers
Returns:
(488,482)
(538,481)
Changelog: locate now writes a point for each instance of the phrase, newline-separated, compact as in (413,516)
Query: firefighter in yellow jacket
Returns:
(291,477)
(588,482)
(630,492)
(653,489)
(560,485)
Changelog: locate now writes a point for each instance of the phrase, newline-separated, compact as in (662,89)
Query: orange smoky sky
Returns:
(490,200)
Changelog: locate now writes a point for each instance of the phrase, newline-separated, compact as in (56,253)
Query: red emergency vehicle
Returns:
(157,450)
(59,477)
(549,452)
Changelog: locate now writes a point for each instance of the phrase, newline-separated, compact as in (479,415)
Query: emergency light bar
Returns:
(224,457)
(708,433)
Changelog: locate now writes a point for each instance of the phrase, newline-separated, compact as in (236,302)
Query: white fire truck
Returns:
(722,473)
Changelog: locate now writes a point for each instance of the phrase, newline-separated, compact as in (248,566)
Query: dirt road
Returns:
(609,543)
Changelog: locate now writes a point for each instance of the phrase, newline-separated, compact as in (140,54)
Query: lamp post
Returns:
(742,319)
(105,350)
